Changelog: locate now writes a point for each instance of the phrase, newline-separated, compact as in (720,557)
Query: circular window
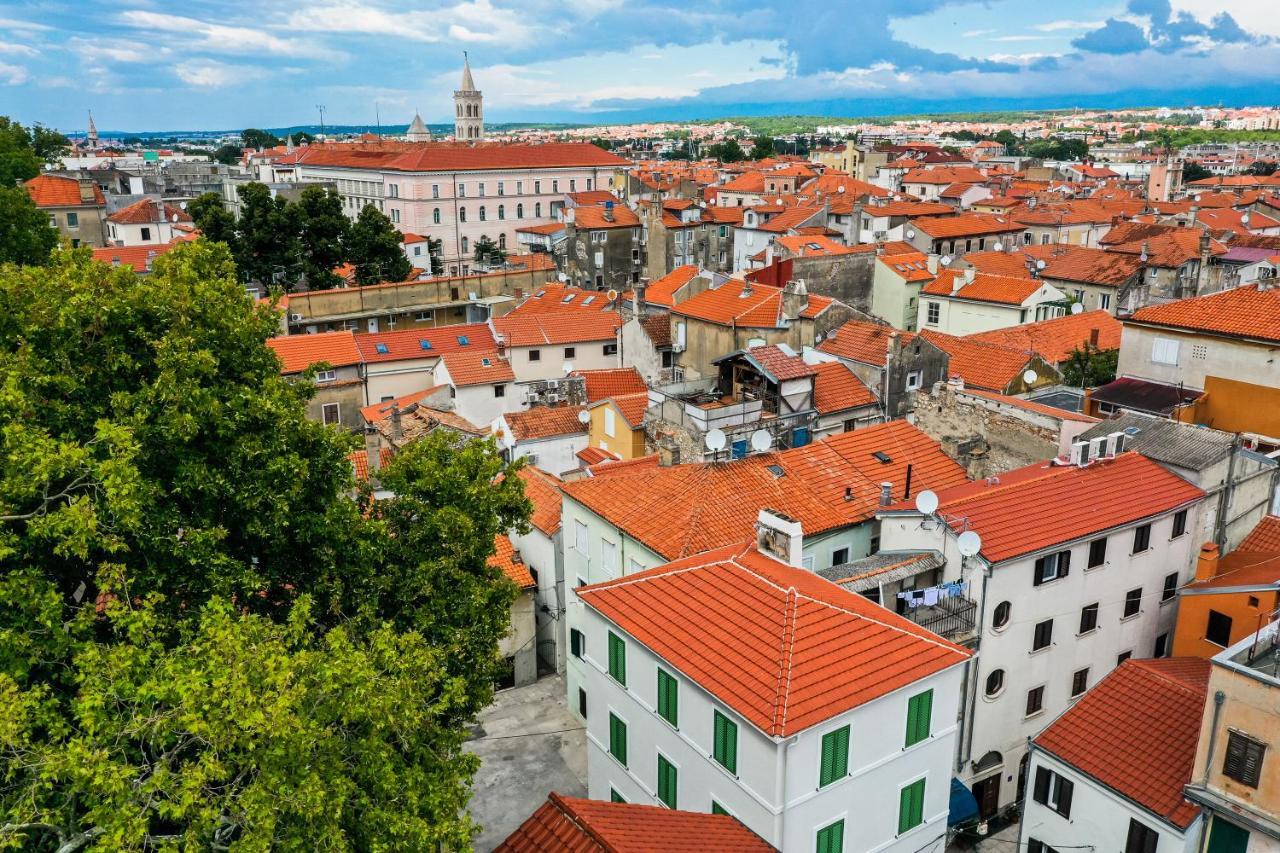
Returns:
(995,683)
(1000,618)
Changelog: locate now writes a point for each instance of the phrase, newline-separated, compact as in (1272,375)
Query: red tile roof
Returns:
(298,352)
(761,308)
(147,211)
(965,225)
(790,218)
(591,197)
(808,246)
(662,291)
(1054,340)
(138,257)
(359,460)
(505,558)
(409,344)
(612,381)
(683,509)
(999,289)
(378,411)
(543,490)
(1244,312)
(1022,512)
(540,422)
(944,175)
(477,368)
(1137,731)
(595,455)
(572,825)
(837,388)
(909,266)
(781,365)
(57,191)
(909,208)
(862,340)
(1265,536)
(559,298)
(631,406)
(988,366)
(558,328)
(658,328)
(759,636)
(594,217)
(453,156)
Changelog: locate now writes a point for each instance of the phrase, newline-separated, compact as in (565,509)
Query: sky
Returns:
(225,64)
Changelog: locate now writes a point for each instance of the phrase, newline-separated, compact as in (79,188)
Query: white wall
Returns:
(587,355)
(1219,357)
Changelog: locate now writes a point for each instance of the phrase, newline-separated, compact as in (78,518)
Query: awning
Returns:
(964,808)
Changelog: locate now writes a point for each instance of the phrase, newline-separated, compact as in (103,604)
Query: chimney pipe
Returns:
(1207,562)
(886,494)
(906,491)
(395,423)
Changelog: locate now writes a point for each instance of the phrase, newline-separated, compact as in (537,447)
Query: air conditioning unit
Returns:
(553,384)
(553,398)
(295,318)
(531,458)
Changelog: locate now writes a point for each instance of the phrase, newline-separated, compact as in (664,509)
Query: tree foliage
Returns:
(1193,171)
(205,643)
(728,151)
(252,137)
(762,147)
(228,154)
(18,158)
(374,247)
(26,237)
(267,241)
(324,232)
(214,221)
(1089,367)
(488,252)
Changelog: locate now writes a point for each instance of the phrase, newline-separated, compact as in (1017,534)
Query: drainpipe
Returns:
(967,741)
(779,819)
(1219,699)
(1224,501)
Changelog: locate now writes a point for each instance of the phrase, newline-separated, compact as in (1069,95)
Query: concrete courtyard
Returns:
(529,745)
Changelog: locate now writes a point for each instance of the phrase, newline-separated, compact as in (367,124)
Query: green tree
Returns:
(18,159)
(1089,367)
(252,137)
(601,142)
(267,247)
(215,222)
(487,252)
(26,237)
(228,154)
(1193,171)
(204,642)
(435,248)
(49,145)
(375,248)
(762,147)
(728,151)
(1262,168)
(323,230)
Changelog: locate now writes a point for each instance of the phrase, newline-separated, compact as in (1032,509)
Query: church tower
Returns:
(468,104)
(93,131)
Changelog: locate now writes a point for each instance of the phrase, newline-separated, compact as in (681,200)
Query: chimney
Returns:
(968,275)
(87,195)
(957,282)
(886,494)
(1192,213)
(1207,562)
(746,288)
(637,298)
(931,262)
(151,256)
(768,254)
(396,433)
(780,536)
(373,449)
(1093,337)
(795,299)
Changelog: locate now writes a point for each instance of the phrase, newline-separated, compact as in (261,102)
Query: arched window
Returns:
(462,214)
(502,241)
(537,210)
(502,211)
(1000,618)
(465,245)
(995,683)
(482,213)
(519,211)
(435,216)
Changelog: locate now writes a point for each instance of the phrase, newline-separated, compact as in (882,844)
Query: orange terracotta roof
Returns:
(983,365)
(862,340)
(632,407)
(57,191)
(375,412)
(591,197)
(612,381)
(477,368)
(658,329)
(557,298)
(1171,247)
(760,308)
(806,245)
(540,422)
(543,490)
(1008,264)
(595,455)
(1003,290)
(137,257)
(408,344)
(1265,536)
(944,175)
(1054,340)
(624,466)
(683,509)
(573,825)
(779,364)
(147,211)
(359,460)
(1137,731)
(711,615)
(505,557)
(965,225)
(749,182)
(913,266)
(454,156)
(1022,513)
(593,217)
(909,209)
(837,388)
(540,329)
(788,219)
(1245,312)
(298,352)
(662,291)
(1031,406)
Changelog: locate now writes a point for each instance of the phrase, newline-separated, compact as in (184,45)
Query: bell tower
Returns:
(468,105)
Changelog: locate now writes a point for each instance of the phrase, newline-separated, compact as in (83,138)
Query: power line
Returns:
(531,734)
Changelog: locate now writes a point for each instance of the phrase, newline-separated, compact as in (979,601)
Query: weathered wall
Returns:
(984,441)
(846,278)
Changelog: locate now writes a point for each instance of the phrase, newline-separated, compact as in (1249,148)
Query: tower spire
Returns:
(93,130)
(468,85)
(468,105)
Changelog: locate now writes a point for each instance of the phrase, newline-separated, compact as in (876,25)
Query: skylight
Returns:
(882,457)
(424,343)
(463,340)
(567,299)
(382,349)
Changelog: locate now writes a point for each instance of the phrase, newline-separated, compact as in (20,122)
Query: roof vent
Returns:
(775,470)
(886,494)
(882,457)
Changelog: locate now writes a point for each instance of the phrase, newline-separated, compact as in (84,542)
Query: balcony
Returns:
(951,618)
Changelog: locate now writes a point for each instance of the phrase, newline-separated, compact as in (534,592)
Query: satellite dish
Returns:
(1029,377)
(715,440)
(612,295)
(969,543)
(567,367)
(584,416)
(927,502)
(945,260)
(761,440)
(999,247)
(1040,264)
(840,188)
(1244,220)
(911,234)
(1077,308)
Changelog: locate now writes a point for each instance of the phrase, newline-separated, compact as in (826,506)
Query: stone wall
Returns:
(986,440)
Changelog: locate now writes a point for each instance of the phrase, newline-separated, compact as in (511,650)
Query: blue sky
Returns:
(149,65)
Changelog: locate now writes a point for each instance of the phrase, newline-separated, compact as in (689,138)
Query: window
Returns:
(716,808)
(1088,618)
(580,537)
(610,349)
(1142,838)
(73,220)
(326,375)
(480,189)
(501,188)
(911,806)
(1053,791)
(668,698)
(835,756)
(1035,845)
(1170,586)
(1097,552)
(919,717)
(609,424)
(331,413)
(435,191)
(535,355)
(666,782)
(615,797)
(519,211)
(483,214)
(499,390)
(1035,700)
(435,216)
(724,747)
(1164,351)
(914,380)
(395,215)
(1079,682)
(1123,656)
(582,703)
(1218,629)
(617,659)
(1179,523)
(933,312)
(1104,301)
(146,233)
(1244,759)
(618,739)
(573,185)
(1050,567)
(502,211)
(1141,538)
(462,190)
(995,683)
(537,209)
(831,838)
(555,186)
(1132,603)
(569,352)
(537,187)
(1161,646)
(839,556)
(1000,618)
(462,217)
(1043,636)
(576,643)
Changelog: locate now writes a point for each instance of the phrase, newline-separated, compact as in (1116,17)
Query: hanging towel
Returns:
(931,596)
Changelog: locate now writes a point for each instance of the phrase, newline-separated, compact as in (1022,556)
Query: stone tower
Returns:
(468,103)
(418,131)
(93,132)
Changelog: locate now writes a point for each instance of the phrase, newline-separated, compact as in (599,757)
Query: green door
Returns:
(1226,837)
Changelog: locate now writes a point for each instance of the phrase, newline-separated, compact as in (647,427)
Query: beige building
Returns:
(77,208)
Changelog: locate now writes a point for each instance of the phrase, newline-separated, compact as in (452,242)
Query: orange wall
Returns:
(1235,406)
(1193,617)
(626,442)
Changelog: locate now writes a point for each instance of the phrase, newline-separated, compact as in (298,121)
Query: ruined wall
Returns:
(984,441)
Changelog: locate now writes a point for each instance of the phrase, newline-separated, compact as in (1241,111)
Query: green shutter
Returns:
(615,797)
(666,782)
(831,838)
(835,756)
(716,808)
(911,807)
(618,739)
(668,705)
(725,742)
(617,659)
(919,715)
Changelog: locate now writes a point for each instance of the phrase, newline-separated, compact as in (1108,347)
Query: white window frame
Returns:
(325,408)
(581,538)
(609,424)
(326,375)
(1165,351)
(915,380)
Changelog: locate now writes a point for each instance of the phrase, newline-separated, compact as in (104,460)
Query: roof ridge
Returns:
(578,821)
(787,648)
(1157,672)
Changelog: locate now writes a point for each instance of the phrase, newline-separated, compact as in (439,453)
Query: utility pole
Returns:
(320,107)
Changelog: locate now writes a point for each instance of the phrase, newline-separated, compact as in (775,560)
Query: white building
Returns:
(542,346)
(544,436)
(1078,570)
(148,222)
(966,303)
(481,384)
(709,685)
(540,548)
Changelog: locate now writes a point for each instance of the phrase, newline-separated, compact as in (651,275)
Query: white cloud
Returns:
(1021,38)
(208,74)
(13,49)
(367,20)
(23,26)
(470,21)
(13,75)
(116,51)
(219,38)
(1058,26)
